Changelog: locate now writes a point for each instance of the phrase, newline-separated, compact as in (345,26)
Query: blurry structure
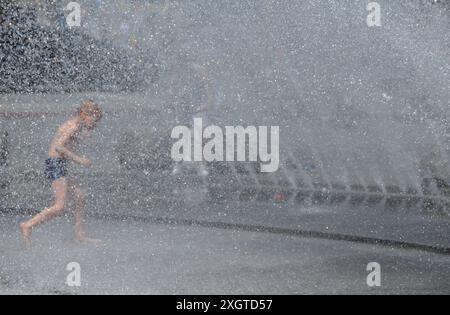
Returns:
(4,150)
(362,111)
(39,54)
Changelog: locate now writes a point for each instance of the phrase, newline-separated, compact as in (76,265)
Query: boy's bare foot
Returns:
(25,230)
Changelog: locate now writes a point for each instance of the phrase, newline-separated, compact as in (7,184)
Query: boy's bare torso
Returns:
(68,136)
(65,137)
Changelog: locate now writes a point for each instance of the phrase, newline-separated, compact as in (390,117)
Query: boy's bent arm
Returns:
(65,133)
(64,152)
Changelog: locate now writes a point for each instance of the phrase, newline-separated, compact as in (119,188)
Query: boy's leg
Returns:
(60,189)
(79,213)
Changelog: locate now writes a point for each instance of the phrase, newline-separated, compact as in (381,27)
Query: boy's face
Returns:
(89,121)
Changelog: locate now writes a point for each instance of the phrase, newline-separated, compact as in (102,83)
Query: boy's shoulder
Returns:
(68,126)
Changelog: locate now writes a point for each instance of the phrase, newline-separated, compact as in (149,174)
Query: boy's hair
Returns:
(91,109)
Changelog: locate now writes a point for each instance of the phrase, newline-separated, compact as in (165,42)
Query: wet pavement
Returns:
(139,257)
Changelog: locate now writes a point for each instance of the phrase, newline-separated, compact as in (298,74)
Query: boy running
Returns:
(60,153)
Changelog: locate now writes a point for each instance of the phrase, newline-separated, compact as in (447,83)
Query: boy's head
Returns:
(90,114)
